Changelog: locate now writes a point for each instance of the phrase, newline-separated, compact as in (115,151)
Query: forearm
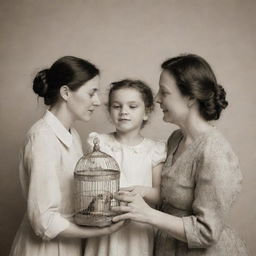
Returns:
(170,224)
(151,195)
(137,209)
(75,231)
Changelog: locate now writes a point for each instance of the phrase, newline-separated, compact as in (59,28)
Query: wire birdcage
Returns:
(97,177)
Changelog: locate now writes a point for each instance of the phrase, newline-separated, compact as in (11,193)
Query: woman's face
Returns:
(82,102)
(172,102)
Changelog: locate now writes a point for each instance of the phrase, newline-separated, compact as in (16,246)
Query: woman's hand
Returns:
(111,229)
(136,208)
(150,194)
(134,190)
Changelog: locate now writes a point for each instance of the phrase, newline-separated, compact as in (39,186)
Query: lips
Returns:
(123,119)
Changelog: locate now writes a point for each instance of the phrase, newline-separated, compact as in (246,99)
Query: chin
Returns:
(167,120)
(125,129)
(85,118)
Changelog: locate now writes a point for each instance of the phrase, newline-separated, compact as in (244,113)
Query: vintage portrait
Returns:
(128,128)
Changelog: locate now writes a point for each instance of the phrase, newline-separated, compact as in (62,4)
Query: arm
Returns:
(218,180)
(150,194)
(41,160)
(75,231)
(138,210)
(158,156)
(213,198)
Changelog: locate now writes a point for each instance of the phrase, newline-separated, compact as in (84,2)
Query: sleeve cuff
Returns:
(56,226)
(188,223)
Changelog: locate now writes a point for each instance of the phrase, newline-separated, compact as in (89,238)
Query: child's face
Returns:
(127,110)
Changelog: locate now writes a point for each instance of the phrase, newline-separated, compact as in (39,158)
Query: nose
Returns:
(158,98)
(123,110)
(96,100)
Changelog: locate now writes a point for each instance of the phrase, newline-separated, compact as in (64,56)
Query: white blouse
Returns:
(46,168)
(135,162)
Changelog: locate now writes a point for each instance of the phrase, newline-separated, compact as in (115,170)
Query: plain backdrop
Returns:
(126,39)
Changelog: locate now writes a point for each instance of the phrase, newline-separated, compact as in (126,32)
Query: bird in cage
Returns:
(97,177)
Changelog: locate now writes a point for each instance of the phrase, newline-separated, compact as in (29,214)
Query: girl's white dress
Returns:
(47,164)
(136,163)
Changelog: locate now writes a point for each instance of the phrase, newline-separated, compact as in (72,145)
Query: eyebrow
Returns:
(162,86)
(129,102)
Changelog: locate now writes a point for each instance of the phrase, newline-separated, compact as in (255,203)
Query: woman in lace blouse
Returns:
(201,176)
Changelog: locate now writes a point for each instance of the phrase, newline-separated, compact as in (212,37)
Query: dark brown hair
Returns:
(68,70)
(195,78)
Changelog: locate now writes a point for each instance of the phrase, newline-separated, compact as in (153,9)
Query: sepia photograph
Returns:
(128,128)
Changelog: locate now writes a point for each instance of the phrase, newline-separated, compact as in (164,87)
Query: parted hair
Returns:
(143,89)
(69,70)
(195,78)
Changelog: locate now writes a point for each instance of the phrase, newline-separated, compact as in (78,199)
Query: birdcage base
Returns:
(96,220)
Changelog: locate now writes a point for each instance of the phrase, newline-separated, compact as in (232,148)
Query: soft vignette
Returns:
(126,39)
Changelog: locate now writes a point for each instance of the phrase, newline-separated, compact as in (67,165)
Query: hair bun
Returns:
(212,106)
(220,97)
(40,84)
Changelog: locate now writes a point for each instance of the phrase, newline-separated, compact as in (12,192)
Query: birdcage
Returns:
(97,177)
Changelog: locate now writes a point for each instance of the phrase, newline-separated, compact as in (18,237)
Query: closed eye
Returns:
(163,92)
(92,93)
(115,106)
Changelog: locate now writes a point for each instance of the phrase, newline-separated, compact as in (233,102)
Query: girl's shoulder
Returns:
(151,144)
(157,150)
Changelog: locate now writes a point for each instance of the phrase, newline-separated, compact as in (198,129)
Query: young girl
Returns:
(140,160)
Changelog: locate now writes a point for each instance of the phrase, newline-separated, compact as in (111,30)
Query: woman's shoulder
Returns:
(40,137)
(40,129)
(215,145)
(214,139)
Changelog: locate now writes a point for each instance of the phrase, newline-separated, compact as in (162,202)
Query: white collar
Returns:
(60,131)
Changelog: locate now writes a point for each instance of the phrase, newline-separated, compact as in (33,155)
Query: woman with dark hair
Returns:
(51,149)
(201,176)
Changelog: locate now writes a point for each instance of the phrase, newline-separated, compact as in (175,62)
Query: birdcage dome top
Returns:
(96,161)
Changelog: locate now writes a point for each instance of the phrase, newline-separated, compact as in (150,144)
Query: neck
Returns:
(194,126)
(60,111)
(130,138)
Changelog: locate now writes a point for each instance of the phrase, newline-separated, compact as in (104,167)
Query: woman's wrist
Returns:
(152,216)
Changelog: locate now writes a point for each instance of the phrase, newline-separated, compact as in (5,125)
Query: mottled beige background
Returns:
(126,39)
